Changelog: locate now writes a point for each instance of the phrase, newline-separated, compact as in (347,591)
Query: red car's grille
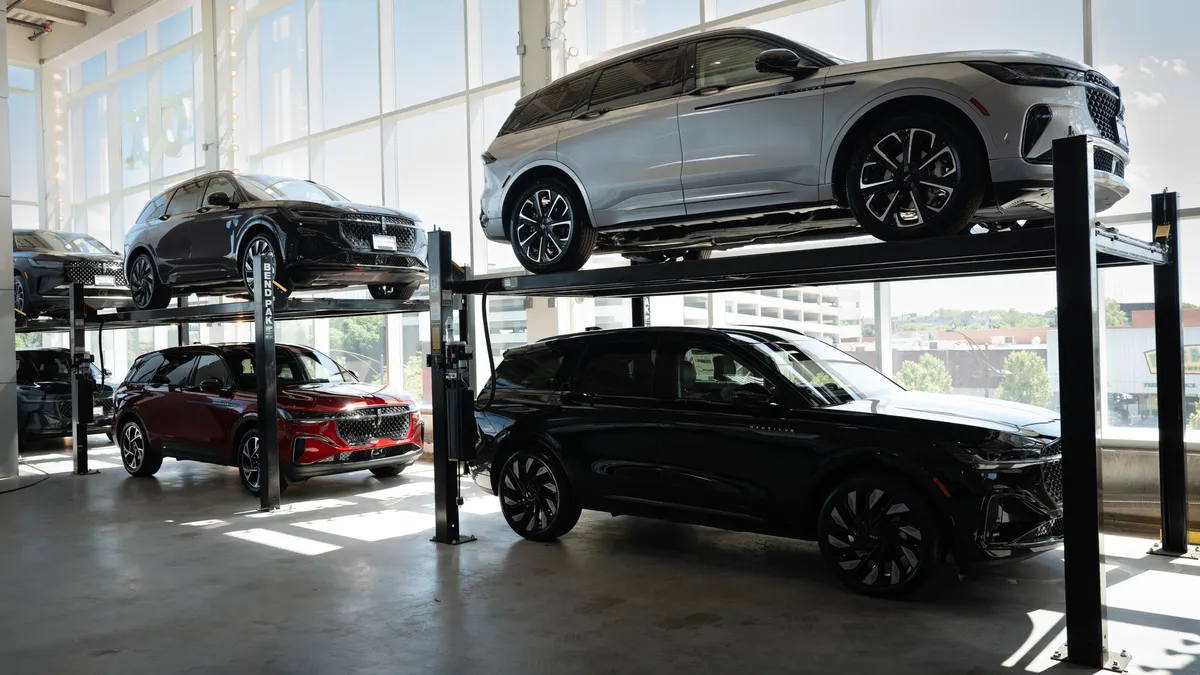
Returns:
(351,456)
(368,425)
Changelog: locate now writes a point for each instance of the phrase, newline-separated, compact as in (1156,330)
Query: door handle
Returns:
(706,91)
(591,114)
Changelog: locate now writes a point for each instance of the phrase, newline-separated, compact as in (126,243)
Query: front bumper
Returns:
(1019,184)
(318,449)
(338,253)
(405,454)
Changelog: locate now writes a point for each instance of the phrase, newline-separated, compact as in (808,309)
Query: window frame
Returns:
(680,345)
(203,182)
(557,379)
(225,381)
(589,81)
(692,68)
(588,351)
(233,194)
(192,354)
(673,90)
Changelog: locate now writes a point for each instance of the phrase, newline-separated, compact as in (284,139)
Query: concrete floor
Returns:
(178,574)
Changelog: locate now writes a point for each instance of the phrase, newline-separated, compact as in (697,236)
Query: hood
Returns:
(996,55)
(984,413)
(334,397)
(339,208)
(66,257)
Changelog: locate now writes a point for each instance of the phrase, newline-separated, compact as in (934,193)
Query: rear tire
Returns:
(536,497)
(915,176)
(392,291)
(148,291)
(879,536)
(388,471)
(549,228)
(138,458)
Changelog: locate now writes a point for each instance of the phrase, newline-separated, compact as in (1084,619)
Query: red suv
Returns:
(200,403)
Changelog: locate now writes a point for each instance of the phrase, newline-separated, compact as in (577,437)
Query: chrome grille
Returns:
(85,272)
(357,230)
(1052,449)
(1104,105)
(351,456)
(367,425)
(1102,160)
(380,259)
(65,408)
(1052,480)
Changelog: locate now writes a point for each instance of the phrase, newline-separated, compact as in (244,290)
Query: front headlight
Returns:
(52,264)
(1030,74)
(1006,451)
(305,417)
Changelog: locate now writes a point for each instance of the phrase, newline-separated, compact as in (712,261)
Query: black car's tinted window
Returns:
(144,368)
(186,198)
(708,374)
(219,184)
(177,369)
(529,371)
(154,208)
(210,366)
(43,366)
(64,242)
(618,370)
(552,103)
(641,80)
(729,62)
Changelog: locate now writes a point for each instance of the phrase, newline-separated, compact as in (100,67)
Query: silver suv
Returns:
(738,136)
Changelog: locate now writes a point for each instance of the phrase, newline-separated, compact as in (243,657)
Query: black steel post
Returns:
(441,323)
(1168,346)
(264,362)
(183,328)
(1079,378)
(641,311)
(82,386)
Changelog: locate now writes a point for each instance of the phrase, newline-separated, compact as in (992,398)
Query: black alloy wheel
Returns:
(393,291)
(915,176)
(878,536)
(264,245)
(21,300)
(144,285)
(249,456)
(535,497)
(549,228)
(138,458)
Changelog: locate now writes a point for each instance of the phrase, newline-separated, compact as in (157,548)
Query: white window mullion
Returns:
(316,121)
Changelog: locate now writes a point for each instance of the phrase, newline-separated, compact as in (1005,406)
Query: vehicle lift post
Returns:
(453,399)
(83,386)
(264,358)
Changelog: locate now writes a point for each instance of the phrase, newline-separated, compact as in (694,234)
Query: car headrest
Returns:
(687,375)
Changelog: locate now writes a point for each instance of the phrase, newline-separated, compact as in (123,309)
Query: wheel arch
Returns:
(244,425)
(261,224)
(511,441)
(124,418)
(530,173)
(895,103)
(132,255)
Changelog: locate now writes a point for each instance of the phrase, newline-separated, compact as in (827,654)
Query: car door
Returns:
(211,232)
(208,417)
(171,239)
(729,456)
(749,139)
(610,429)
(162,408)
(624,144)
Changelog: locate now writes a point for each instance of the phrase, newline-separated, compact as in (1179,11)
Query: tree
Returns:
(1194,419)
(868,330)
(929,374)
(1190,305)
(360,341)
(1025,379)
(28,340)
(1114,315)
(414,379)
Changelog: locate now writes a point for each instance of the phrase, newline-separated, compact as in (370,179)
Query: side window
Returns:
(641,80)
(144,368)
(710,375)
(186,199)
(553,103)
(730,62)
(176,369)
(210,366)
(26,372)
(534,371)
(219,184)
(618,370)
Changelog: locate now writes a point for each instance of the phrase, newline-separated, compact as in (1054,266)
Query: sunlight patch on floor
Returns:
(401,491)
(205,524)
(374,526)
(287,542)
(302,507)
(65,466)
(481,506)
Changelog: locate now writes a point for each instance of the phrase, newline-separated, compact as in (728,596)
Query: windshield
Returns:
(62,242)
(291,367)
(828,375)
(289,188)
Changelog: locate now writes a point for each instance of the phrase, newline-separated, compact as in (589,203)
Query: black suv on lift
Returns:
(201,236)
(47,262)
(767,430)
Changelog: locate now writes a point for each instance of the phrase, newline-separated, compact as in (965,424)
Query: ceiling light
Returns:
(573,51)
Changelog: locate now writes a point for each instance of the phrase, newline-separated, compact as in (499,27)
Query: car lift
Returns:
(1075,249)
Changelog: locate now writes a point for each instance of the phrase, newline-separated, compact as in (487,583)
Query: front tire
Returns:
(148,291)
(879,536)
(536,497)
(392,291)
(264,245)
(138,458)
(915,176)
(249,455)
(22,300)
(549,228)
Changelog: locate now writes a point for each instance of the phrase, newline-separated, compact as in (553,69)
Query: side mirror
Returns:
(783,61)
(354,374)
(751,395)
(219,199)
(212,386)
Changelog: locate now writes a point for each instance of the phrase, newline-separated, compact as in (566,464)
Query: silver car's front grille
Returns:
(1104,105)
(358,231)
(368,425)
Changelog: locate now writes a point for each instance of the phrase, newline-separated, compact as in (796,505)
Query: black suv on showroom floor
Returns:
(44,408)
(201,236)
(767,430)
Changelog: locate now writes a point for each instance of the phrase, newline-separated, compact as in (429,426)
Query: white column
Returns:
(536,62)
(394,344)
(8,368)
(883,328)
(321,335)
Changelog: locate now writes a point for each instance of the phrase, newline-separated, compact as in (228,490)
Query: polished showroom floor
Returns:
(179,574)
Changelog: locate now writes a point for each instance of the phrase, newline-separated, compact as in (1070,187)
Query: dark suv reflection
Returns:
(767,430)
(201,236)
(44,408)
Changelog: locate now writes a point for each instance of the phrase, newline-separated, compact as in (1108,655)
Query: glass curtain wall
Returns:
(24,143)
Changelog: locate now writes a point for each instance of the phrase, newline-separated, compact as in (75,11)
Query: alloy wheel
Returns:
(544,226)
(259,247)
(908,177)
(133,447)
(19,297)
(249,461)
(874,538)
(530,494)
(141,281)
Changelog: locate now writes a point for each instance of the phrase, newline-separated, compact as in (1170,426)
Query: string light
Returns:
(236,147)
(233,73)
(57,76)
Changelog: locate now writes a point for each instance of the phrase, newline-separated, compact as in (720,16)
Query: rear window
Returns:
(144,368)
(553,103)
(529,371)
(641,80)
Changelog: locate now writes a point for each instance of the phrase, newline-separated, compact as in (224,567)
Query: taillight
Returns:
(488,157)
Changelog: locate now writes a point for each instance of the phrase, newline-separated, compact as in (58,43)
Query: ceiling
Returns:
(41,15)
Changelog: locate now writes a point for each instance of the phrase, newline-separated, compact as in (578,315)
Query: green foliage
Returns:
(1190,305)
(28,340)
(1194,419)
(360,343)
(868,330)
(1025,379)
(929,374)
(414,381)
(1114,315)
